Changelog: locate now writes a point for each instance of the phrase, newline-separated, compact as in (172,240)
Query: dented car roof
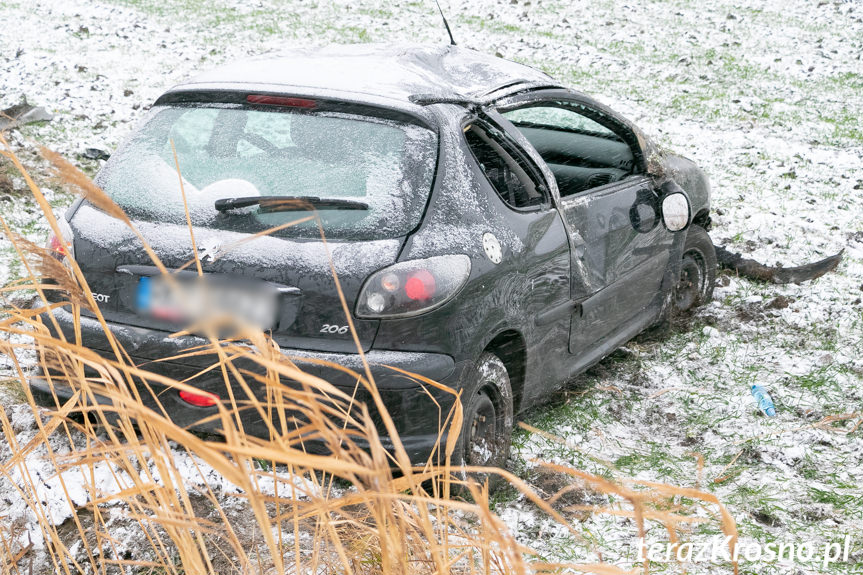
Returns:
(405,73)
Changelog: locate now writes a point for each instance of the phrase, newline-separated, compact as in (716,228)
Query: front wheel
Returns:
(486,431)
(697,271)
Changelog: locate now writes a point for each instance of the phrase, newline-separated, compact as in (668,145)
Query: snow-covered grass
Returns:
(766,97)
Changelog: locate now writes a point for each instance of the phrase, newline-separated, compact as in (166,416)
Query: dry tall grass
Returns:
(358,510)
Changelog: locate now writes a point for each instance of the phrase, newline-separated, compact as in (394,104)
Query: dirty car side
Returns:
(552,200)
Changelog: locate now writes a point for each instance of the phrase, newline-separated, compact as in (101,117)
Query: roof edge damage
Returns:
(415,73)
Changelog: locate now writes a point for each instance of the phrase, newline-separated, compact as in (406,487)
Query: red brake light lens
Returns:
(55,244)
(420,285)
(281,101)
(199,399)
(61,247)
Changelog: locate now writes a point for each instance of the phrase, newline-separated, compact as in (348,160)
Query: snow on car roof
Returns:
(396,72)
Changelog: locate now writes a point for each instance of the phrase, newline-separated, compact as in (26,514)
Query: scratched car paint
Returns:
(491,230)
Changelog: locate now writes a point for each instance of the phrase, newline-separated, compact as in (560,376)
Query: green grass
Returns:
(12,388)
(840,501)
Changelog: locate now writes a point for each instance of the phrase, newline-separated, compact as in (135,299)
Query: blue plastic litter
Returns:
(765,402)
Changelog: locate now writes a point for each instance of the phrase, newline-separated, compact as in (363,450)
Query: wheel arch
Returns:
(509,346)
(702,219)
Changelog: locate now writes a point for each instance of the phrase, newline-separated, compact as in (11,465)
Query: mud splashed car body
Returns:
(491,230)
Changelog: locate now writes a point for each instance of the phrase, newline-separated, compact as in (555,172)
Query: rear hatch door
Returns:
(308,313)
(261,179)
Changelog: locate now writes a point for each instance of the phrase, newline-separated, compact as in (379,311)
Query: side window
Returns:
(581,152)
(506,172)
(561,118)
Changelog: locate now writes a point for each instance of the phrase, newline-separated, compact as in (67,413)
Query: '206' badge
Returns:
(332,328)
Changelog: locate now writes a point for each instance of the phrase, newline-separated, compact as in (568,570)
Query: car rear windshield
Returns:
(382,170)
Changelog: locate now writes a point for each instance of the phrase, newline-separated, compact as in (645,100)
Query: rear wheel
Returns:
(697,271)
(486,432)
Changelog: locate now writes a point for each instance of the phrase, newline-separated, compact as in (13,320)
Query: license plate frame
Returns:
(198,299)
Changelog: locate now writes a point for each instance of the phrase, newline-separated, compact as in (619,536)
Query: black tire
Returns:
(697,271)
(486,433)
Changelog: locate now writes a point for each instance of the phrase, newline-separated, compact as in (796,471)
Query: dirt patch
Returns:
(780,302)
(766,518)
(564,492)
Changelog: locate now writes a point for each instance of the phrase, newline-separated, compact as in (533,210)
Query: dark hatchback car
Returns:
(491,230)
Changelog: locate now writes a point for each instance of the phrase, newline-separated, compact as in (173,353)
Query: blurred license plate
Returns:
(202,299)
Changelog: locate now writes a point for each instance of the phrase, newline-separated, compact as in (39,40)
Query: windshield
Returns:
(382,166)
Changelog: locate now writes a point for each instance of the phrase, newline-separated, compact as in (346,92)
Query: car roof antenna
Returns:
(445,23)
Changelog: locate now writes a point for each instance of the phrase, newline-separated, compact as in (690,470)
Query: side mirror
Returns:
(676,210)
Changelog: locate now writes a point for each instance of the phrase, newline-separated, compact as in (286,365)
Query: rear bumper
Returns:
(417,410)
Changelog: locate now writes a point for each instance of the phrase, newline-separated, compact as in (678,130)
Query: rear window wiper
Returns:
(289,203)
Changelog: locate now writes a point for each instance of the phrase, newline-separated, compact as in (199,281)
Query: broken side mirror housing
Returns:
(675,207)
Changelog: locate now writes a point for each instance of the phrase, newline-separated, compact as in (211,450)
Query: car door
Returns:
(619,260)
(533,274)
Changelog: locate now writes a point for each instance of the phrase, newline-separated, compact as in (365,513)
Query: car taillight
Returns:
(199,399)
(412,287)
(61,247)
(55,244)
